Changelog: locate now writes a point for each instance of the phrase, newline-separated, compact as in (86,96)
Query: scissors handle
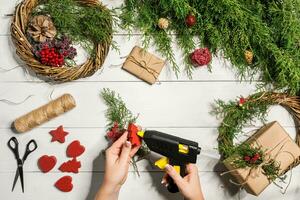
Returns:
(13,144)
(30,147)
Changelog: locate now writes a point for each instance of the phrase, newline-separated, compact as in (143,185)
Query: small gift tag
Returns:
(143,65)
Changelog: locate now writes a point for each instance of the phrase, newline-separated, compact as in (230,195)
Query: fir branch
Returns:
(117,110)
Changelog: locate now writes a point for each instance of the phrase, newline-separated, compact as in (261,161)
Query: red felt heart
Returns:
(70,166)
(46,163)
(75,149)
(64,184)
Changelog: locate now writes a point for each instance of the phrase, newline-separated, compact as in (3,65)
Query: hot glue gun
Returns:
(176,151)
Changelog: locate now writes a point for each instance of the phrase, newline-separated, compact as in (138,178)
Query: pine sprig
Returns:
(117,110)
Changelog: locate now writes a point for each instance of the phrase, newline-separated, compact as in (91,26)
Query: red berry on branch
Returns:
(190,20)
(247,158)
(253,160)
(257,156)
(242,101)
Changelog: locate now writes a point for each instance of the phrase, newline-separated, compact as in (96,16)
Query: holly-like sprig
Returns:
(119,117)
(237,114)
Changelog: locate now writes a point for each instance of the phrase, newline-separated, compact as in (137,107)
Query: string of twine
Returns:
(44,113)
(10,102)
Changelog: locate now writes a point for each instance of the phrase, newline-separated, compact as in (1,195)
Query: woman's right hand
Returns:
(189,185)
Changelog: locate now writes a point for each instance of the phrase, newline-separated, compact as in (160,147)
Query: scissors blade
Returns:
(16,179)
(20,169)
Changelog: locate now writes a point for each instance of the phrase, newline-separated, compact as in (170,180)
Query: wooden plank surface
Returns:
(178,106)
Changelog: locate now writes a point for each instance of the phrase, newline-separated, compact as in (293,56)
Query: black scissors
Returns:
(13,144)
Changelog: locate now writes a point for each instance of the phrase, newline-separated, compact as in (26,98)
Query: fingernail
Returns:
(127,144)
(167,167)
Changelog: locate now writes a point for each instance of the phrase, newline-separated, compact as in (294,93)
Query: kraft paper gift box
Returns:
(143,65)
(282,148)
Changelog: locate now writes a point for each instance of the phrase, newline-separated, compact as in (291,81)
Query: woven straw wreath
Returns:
(58,74)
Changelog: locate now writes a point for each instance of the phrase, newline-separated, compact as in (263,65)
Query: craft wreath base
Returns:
(59,74)
(255,106)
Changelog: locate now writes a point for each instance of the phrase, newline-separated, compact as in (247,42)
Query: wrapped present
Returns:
(277,147)
(143,65)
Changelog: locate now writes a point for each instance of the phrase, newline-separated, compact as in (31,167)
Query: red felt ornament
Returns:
(200,57)
(46,163)
(190,20)
(58,134)
(70,166)
(64,184)
(133,137)
(75,149)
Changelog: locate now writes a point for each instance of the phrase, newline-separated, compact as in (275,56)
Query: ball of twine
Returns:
(44,113)
(58,74)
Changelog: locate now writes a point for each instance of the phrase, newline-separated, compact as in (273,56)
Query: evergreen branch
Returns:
(117,110)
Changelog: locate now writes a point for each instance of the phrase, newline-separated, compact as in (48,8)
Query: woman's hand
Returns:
(118,158)
(189,185)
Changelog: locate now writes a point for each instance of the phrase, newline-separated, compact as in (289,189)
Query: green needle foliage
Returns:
(270,29)
(235,117)
(83,24)
(117,110)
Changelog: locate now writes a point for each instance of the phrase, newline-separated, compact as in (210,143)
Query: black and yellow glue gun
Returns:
(176,151)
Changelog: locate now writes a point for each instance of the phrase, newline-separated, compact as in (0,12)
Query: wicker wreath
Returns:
(58,74)
(256,105)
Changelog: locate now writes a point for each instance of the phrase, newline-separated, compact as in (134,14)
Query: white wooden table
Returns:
(176,106)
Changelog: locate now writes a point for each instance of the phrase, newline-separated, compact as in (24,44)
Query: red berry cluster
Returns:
(115,132)
(54,52)
(252,159)
(49,56)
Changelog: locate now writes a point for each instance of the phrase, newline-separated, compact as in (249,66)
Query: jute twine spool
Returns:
(44,113)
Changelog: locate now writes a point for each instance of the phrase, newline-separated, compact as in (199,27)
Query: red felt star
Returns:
(59,134)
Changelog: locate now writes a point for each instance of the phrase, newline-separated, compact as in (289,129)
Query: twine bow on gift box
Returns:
(268,160)
(143,64)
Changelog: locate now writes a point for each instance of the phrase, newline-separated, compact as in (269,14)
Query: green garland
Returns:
(236,114)
(269,29)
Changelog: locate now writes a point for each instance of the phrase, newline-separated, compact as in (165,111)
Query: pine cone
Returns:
(41,28)
(249,56)
(163,23)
